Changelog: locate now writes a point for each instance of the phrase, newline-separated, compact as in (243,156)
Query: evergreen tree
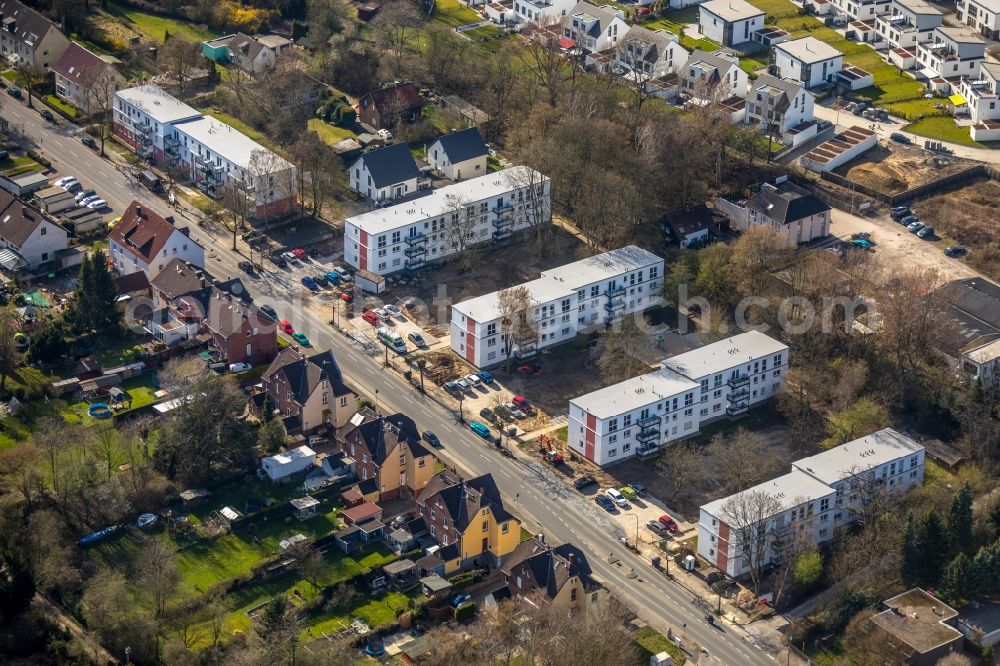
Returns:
(933,547)
(267,411)
(909,566)
(960,519)
(94,306)
(48,345)
(955,581)
(995,518)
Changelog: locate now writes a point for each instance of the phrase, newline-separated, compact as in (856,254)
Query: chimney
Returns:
(540,537)
(138,212)
(170,219)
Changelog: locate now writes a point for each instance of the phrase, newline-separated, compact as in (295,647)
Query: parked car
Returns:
(321,280)
(47,115)
(384,134)
(480,429)
(66,182)
(485,376)
(393,310)
(342,272)
(84,194)
(584,482)
(371,317)
(417,339)
(899,212)
(658,527)
(246,267)
(955,250)
(89,142)
(301,338)
(334,278)
(668,522)
(14,92)
(269,311)
(899,138)
(277,260)
(473,380)
(503,413)
(639,488)
(629,493)
(286,327)
(452,387)
(907,220)
(310,284)
(926,232)
(915,227)
(239,367)
(605,503)
(616,497)
(431,439)
(87,199)
(300,254)
(523,404)
(96,204)
(290,258)
(514,410)
(487,413)
(347,297)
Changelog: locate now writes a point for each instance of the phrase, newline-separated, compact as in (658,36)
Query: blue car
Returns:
(431,439)
(485,376)
(480,429)
(310,284)
(334,278)
(459,599)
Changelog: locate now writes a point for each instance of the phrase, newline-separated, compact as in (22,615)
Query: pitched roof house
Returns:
(592,28)
(714,76)
(468,519)
(388,450)
(690,226)
(537,572)
(28,239)
(309,391)
(790,210)
(650,53)
(385,174)
(782,106)
(385,107)
(143,240)
(251,54)
(86,80)
(176,279)
(237,328)
(459,155)
(27,36)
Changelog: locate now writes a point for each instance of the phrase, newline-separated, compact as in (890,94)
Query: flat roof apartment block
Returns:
(640,415)
(565,300)
(410,234)
(821,493)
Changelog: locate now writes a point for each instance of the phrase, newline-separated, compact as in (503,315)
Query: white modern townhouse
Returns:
(819,494)
(983,16)
(809,61)
(782,108)
(861,10)
(729,22)
(593,29)
(952,53)
(714,77)
(445,221)
(649,54)
(982,97)
(385,174)
(908,23)
(640,415)
(541,12)
(209,152)
(575,297)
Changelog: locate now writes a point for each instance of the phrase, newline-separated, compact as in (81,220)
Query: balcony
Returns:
(648,435)
(500,235)
(614,290)
(415,251)
(418,239)
(647,450)
(739,394)
(614,305)
(414,263)
(737,410)
(503,222)
(649,421)
(737,382)
(140,128)
(501,208)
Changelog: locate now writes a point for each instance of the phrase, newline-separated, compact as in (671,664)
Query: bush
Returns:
(465,612)
(345,116)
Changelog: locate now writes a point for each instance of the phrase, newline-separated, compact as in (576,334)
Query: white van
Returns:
(616,497)
(391,339)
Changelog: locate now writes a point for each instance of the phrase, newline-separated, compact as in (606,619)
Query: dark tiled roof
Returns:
(390,165)
(18,220)
(406,94)
(464,499)
(29,25)
(541,567)
(786,203)
(382,434)
(303,374)
(177,279)
(685,221)
(463,145)
(131,283)
(142,231)
(80,66)
(973,311)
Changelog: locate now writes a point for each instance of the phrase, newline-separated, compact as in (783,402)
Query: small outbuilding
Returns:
(305,507)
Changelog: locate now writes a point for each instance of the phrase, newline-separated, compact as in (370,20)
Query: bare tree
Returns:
(542,62)
(634,57)
(619,351)
(516,326)
(395,28)
(684,465)
(238,197)
(100,105)
(19,469)
(461,221)
(157,575)
(741,458)
(29,78)
(180,57)
(752,520)
(534,202)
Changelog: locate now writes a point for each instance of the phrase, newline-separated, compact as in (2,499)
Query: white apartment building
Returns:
(729,22)
(650,54)
(639,415)
(564,300)
(951,53)
(408,235)
(541,12)
(983,16)
(861,10)
(908,23)
(983,94)
(781,106)
(594,29)
(821,493)
(809,61)
(212,154)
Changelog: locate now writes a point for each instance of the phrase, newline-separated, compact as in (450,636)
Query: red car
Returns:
(370,317)
(668,522)
(300,254)
(286,326)
(347,297)
(522,403)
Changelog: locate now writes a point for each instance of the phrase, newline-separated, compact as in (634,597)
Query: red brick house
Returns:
(237,328)
(383,108)
(309,391)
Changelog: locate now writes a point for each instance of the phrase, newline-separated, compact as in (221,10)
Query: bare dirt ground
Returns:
(899,168)
(971,216)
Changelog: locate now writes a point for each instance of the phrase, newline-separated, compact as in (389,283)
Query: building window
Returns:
(505,528)
(486,525)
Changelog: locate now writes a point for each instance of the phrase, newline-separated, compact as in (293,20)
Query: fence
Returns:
(978,171)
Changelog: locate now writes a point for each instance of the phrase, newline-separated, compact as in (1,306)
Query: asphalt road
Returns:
(531,490)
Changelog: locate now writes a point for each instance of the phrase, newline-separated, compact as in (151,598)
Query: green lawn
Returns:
(482,32)
(117,352)
(652,642)
(15,166)
(752,65)
(912,108)
(140,389)
(674,20)
(156,27)
(61,106)
(330,134)
(453,13)
(374,613)
(436,118)
(943,129)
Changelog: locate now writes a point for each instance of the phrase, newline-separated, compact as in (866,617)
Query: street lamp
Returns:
(461,407)
(636,516)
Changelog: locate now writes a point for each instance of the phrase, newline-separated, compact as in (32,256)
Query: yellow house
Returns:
(468,520)
(309,389)
(389,459)
(538,573)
